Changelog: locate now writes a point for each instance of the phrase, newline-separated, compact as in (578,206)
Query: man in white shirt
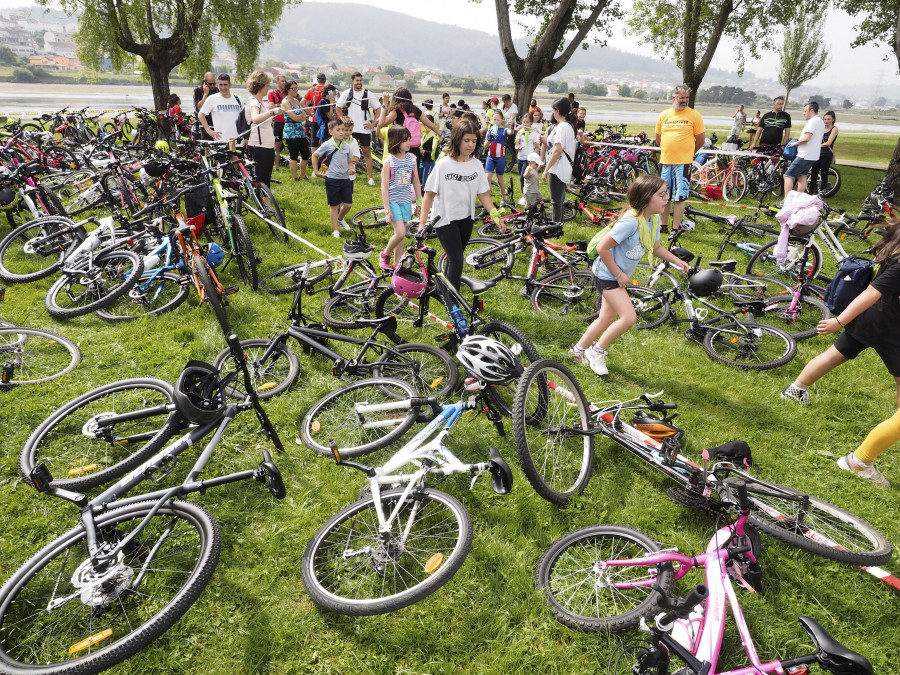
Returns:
(809,146)
(361,105)
(224,108)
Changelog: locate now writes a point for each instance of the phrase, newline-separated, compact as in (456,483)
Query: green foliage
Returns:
(7,57)
(640,95)
(823,101)
(625,90)
(720,94)
(846,104)
(804,54)
(393,71)
(22,75)
(595,89)
(879,23)
(468,85)
(410,83)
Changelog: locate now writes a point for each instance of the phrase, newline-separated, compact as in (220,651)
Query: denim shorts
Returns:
(799,167)
(678,180)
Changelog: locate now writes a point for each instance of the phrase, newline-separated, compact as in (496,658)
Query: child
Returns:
(495,139)
(633,235)
(338,154)
(354,144)
(458,179)
(527,141)
(399,185)
(431,148)
(532,179)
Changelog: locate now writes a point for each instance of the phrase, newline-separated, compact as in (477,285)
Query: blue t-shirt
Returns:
(627,252)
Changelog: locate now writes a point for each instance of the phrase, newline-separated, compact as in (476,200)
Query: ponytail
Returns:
(564,108)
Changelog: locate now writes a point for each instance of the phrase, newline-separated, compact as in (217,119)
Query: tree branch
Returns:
(575,42)
(151,29)
(513,60)
(712,45)
(556,28)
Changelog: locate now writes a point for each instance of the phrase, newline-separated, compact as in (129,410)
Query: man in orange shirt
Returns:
(679,134)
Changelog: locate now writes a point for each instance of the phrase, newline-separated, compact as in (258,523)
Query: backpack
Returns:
(317,93)
(577,163)
(364,104)
(415,129)
(851,279)
(241,123)
(595,242)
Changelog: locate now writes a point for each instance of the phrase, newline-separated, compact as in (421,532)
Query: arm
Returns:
(354,158)
(699,140)
(212,134)
(429,124)
(803,139)
(832,138)
(289,111)
(385,189)
(417,185)
(860,304)
(427,201)
(554,157)
(315,163)
(787,135)
(658,140)
(485,199)
(755,140)
(262,115)
(662,252)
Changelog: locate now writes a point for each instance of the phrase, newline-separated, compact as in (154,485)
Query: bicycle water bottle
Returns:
(151,261)
(459,321)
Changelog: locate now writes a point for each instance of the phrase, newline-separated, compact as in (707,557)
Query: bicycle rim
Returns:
(33,355)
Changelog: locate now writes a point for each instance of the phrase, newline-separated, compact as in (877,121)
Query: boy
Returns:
(356,149)
(531,179)
(338,154)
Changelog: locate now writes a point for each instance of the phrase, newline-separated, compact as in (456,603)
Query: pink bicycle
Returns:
(613,578)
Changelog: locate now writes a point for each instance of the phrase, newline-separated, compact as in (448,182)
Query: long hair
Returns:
(564,108)
(396,136)
(887,249)
(460,129)
(641,192)
(401,99)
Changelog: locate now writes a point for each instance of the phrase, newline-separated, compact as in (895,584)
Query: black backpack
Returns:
(577,163)
(242,125)
(851,279)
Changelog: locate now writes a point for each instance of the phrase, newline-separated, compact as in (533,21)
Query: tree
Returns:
(804,55)
(847,104)
(594,89)
(393,71)
(165,34)
(410,83)
(625,90)
(468,86)
(640,94)
(880,102)
(7,57)
(823,101)
(548,51)
(690,30)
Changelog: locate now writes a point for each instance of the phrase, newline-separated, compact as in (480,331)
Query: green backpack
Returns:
(597,238)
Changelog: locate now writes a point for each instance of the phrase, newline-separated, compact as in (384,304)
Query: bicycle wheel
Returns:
(36,249)
(270,376)
(350,304)
(764,262)
(589,596)
(484,259)
(335,417)
(734,187)
(80,191)
(503,395)
(812,524)
(406,310)
(750,346)
(82,452)
(652,310)
(832,183)
(287,279)
(624,175)
(271,210)
(58,613)
(751,287)
(373,216)
(33,355)
(211,293)
(570,210)
(97,285)
(152,295)
(431,371)
(646,276)
(351,567)
(800,323)
(566,295)
(549,408)
(243,252)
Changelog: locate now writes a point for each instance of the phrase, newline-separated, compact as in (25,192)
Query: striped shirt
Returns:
(400,187)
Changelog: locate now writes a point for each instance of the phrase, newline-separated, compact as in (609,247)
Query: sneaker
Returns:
(384,259)
(863,470)
(372,182)
(792,393)
(578,355)
(344,224)
(596,359)
(335,234)
(522,202)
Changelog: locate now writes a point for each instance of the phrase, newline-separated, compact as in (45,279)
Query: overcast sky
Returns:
(856,66)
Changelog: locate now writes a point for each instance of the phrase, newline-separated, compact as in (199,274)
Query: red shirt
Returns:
(276,96)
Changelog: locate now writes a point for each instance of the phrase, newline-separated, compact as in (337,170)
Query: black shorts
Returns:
(364,140)
(850,348)
(605,285)
(298,147)
(278,130)
(339,191)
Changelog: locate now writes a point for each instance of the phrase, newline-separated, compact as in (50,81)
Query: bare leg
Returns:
(788,185)
(606,326)
(395,243)
(801,183)
(333,212)
(677,215)
(367,153)
(345,209)
(664,216)
(823,364)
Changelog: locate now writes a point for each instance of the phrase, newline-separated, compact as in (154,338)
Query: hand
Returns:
(216,135)
(828,326)
(320,174)
(351,170)
(683,266)
(624,281)
(544,176)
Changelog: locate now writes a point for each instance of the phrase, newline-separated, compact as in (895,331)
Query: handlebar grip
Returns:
(683,606)
(743,500)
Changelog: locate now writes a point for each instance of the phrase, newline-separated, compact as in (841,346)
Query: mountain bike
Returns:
(614,578)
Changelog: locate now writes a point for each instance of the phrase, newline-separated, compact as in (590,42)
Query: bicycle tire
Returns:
(810,311)
(50,203)
(110,276)
(183,534)
(484,259)
(652,311)
(271,377)
(80,191)
(343,310)
(157,295)
(374,216)
(271,210)
(406,310)
(69,441)
(763,262)
(391,574)
(624,175)
(210,294)
(36,355)
(734,187)
(503,395)
(332,418)
(565,296)
(581,593)
(858,542)
(557,465)
(570,210)
(749,346)
(244,253)
(287,279)
(21,261)
(431,371)
(664,280)
(833,183)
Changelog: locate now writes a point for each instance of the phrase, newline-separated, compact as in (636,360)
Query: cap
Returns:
(321,77)
(495,100)
(534,157)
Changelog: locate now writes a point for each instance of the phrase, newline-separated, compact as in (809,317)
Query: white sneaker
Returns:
(372,182)
(522,202)
(335,234)
(863,470)
(596,359)
(344,224)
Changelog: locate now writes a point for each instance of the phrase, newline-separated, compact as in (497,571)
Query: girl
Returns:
(396,108)
(458,178)
(294,134)
(528,140)
(561,142)
(399,186)
(634,234)
(740,119)
(495,139)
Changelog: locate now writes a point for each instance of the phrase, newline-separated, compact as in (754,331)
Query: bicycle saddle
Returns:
(724,265)
(548,230)
(477,285)
(388,323)
(833,656)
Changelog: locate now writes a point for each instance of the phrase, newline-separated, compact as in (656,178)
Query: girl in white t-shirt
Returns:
(458,179)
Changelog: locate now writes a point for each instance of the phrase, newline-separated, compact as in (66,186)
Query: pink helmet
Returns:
(409,283)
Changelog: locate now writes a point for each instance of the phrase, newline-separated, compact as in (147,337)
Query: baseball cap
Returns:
(534,157)
(495,100)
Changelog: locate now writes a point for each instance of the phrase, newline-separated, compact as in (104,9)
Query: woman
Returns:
(562,144)
(754,123)
(826,157)
(294,133)
(258,112)
(740,119)
(325,113)
(396,108)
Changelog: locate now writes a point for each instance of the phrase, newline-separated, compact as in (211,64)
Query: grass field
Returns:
(255,616)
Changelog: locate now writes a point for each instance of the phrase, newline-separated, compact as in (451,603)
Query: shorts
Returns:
(364,139)
(799,167)
(278,130)
(605,284)
(298,147)
(678,179)
(339,191)
(401,211)
(850,348)
(533,197)
(495,165)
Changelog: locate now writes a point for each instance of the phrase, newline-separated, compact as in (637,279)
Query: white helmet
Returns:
(488,359)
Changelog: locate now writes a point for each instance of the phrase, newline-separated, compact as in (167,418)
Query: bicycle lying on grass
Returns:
(614,578)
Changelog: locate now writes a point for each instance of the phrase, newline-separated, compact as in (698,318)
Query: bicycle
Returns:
(133,565)
(719,174)
(614,578)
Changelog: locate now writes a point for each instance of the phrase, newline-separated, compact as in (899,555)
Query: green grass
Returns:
(255,616)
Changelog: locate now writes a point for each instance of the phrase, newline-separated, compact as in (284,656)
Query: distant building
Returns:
(429,80)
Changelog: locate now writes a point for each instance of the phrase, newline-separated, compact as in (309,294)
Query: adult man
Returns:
(224,108)
(275,97)
(361,105)
(679,134)
(510,110)
(775,126)
(809,146)
(201,93)
(311,101)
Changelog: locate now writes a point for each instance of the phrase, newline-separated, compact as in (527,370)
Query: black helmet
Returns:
(155,168)
(705,282)
(357,250)
(199,393)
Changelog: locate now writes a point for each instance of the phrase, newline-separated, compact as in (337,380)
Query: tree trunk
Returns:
(159,82)
(894,169)
(787,95)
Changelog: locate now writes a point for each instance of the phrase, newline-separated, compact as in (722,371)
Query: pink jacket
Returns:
(799,209)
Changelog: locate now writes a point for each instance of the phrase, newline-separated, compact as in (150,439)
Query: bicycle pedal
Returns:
(230,290)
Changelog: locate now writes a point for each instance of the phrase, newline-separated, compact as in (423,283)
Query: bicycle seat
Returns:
(833,656)
(548,230)
(477,285)
(724,265)
(388,323)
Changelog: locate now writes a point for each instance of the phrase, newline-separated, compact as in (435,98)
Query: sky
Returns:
(856,66)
